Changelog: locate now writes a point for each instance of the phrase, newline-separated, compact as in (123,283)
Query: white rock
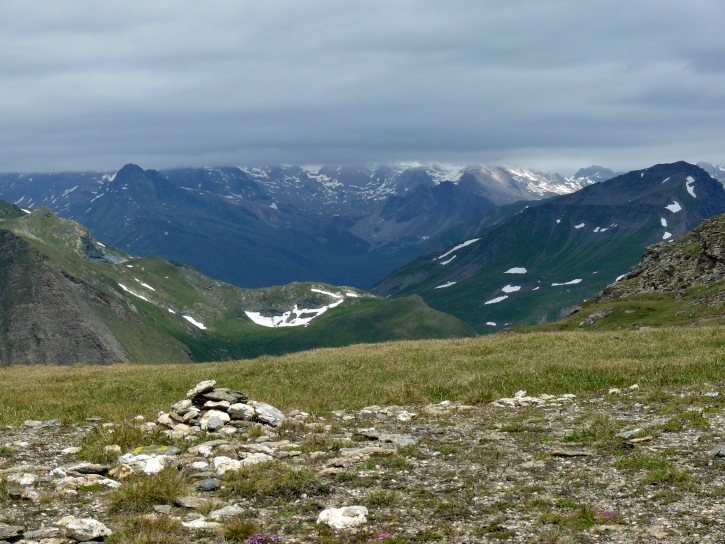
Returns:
(201,524)
(182,429)
(226,512)
(165,419)
(205,451)
(256,458)
(138,459)
(201,387)
(222,465)
(113,448)
(70,451)
(240,410)
(148,427)
(343,518)
(181,407)
(85,529)
(214,420)
(266,413)
(27,480)
(155,465)
(214,404)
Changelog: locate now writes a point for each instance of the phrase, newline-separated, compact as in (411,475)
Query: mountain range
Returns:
(66,297)
(542,262)
(257,227)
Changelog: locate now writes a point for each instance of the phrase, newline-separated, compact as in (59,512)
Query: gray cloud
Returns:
(550,84)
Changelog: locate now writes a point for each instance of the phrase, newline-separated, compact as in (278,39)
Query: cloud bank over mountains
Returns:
(550,85)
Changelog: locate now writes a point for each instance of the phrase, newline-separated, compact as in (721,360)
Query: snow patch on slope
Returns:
(299,316)
(459,246)
(194,322)
(293,318)
(444,285)
(122,286)
(572,282)
(690,186)
(674,207)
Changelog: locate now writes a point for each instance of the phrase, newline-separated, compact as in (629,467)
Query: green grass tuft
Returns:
(265,481)
(141,492)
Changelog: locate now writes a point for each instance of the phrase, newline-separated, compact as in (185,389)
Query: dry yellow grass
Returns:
(474,369)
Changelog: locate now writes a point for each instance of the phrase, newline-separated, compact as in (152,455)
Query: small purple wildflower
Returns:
(606,515)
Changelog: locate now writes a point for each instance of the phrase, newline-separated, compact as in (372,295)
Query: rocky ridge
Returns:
(627,465)
(675,267)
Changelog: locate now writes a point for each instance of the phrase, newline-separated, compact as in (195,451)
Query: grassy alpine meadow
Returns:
(471,370)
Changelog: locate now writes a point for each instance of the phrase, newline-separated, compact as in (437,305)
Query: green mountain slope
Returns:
(539,264)
(66,298)
(675,284)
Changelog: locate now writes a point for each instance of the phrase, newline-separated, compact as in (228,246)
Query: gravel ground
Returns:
(625,466)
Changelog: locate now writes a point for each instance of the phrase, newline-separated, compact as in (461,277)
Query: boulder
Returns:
(266,413)
(343,518)
(222,465)
(84,529)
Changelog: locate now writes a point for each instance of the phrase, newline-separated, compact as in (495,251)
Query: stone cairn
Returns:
(216,409)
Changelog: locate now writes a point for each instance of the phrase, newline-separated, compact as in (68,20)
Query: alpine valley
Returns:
(256,227)
(67,298)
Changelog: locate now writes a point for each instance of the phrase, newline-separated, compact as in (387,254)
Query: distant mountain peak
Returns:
(596,174)
(130,169)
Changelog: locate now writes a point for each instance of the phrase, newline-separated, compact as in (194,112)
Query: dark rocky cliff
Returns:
(46,316)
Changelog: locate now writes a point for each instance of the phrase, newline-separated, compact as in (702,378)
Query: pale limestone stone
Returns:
(343,518)
(199,388)
(222,465)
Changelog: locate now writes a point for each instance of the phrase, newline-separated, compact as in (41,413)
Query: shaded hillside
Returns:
(539,264)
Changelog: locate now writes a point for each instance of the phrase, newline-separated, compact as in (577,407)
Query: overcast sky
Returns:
(548,84)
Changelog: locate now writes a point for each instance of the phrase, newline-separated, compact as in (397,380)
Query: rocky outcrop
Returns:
(696,259)
(46,316)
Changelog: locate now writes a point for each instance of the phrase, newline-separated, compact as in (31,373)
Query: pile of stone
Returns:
(216,410)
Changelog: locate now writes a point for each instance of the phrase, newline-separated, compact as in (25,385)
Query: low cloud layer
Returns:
(554,84)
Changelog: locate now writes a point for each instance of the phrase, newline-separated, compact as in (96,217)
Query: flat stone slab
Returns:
(201,387)
(10,531)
